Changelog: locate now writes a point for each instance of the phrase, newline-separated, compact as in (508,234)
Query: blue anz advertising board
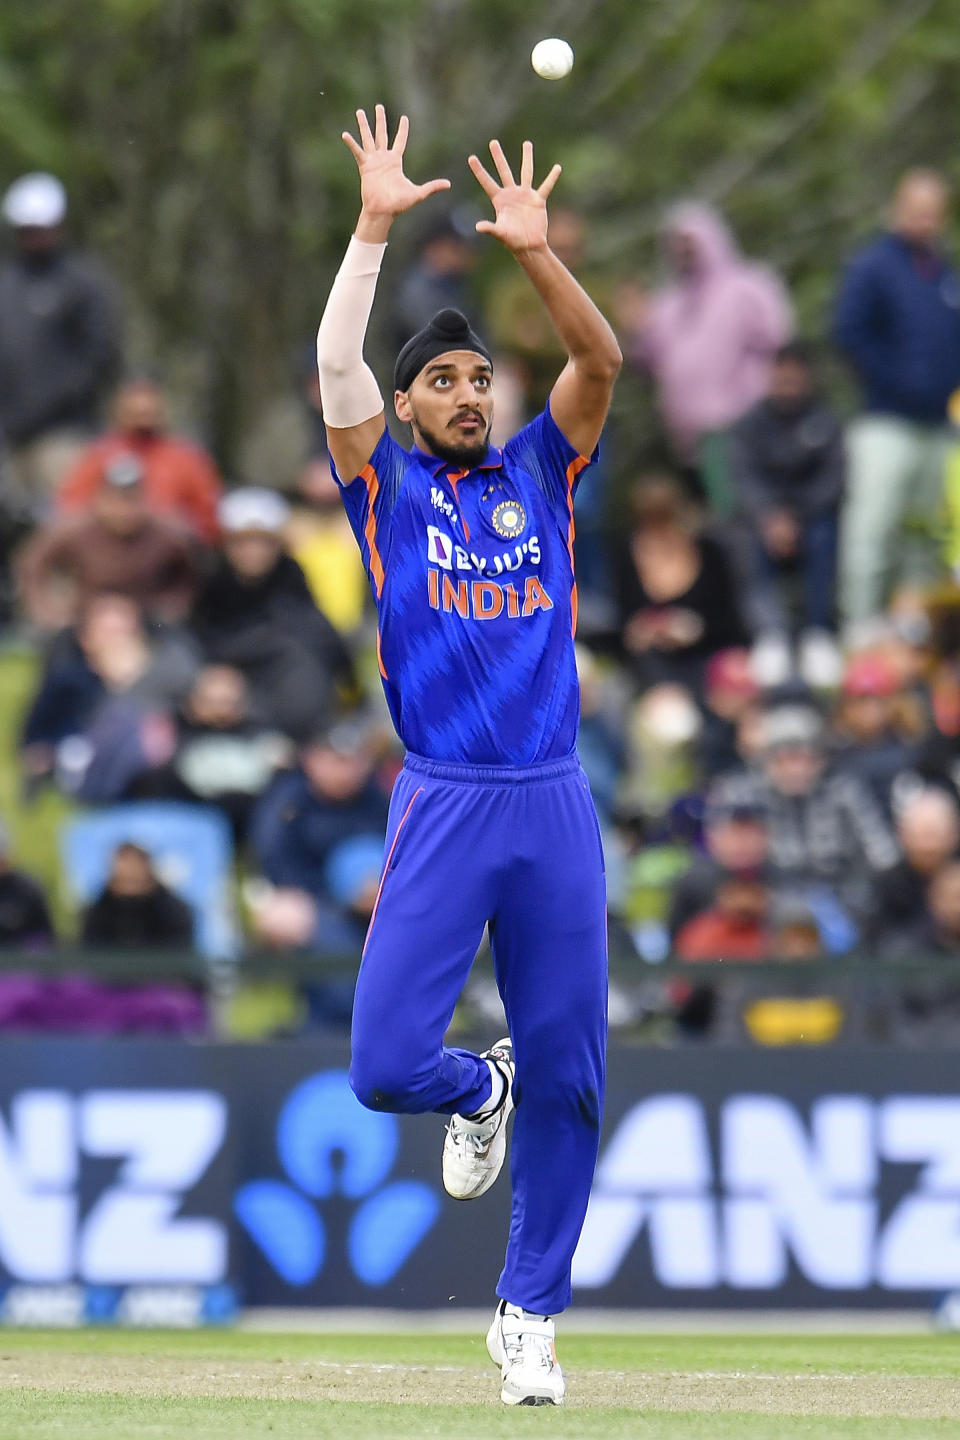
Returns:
(166,1183)
(328,1146)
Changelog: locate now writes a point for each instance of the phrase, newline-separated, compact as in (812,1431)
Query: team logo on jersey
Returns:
(509,519)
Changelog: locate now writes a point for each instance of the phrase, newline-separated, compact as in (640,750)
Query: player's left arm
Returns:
(581,396)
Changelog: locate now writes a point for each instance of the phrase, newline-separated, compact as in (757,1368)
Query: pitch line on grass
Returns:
(378,1367)
(875,1395)
(647,1376)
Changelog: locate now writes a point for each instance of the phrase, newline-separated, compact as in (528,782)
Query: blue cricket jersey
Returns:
(472,573)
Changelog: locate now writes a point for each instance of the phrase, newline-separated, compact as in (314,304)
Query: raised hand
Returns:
(385,191)
(521,210)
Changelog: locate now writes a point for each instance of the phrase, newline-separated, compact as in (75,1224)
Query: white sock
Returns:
(519,1310)
(498,1088)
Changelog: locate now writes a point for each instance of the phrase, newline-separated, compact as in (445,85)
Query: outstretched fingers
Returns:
(380,120)
(378,137)
(482,176)
(500,161)
(366,134)
(491,187)
(355,150)
(526,164)
(431,187)
(403,130)
(547,185)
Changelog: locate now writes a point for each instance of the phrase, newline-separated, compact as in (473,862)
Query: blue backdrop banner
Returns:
(159,1182)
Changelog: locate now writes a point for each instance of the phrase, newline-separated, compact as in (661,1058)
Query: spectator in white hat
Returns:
(59,341)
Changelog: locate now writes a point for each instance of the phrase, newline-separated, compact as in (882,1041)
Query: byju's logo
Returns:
(329,1144)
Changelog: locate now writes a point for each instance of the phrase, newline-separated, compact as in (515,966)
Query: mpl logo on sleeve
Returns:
(439,501)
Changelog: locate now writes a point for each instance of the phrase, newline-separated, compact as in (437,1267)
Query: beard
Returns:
(462,452)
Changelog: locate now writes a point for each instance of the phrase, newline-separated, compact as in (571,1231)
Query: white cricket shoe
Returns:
(473,1150)
(523,1346)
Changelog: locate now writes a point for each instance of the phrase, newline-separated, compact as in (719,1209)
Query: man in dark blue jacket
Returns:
(898,321)
(305,819)
(787,462)
(318,835)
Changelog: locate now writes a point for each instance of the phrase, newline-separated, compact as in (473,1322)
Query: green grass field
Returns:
(165,1386)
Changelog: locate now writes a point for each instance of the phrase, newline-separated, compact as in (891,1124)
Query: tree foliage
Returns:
(200,139)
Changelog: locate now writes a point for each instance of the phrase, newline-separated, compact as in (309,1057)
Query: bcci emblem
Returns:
(509,519)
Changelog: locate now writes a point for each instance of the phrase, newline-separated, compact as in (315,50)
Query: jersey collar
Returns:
(494,461)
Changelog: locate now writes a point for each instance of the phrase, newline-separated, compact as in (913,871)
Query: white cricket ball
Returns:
(552,59)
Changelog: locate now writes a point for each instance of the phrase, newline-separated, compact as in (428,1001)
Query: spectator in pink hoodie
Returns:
(707,338)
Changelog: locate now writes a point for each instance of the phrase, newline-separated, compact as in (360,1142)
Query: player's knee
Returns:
(380,1082)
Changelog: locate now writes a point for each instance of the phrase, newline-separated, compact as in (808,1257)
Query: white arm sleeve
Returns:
(348,388)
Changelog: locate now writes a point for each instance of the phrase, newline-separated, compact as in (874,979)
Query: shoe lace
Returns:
(530,1349)
(468,1143)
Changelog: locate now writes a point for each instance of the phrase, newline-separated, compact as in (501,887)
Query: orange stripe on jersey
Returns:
(371,479)
(573,470)
(380,663)
(455,481)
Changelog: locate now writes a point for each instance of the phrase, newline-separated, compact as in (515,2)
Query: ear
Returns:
(402,406)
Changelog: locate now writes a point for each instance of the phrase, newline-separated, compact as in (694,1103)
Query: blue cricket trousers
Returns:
(519,849)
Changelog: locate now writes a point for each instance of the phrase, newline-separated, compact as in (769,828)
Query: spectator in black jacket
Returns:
(929,1009)
(135,909)
(830,842)
(255,613)
(222,756)
(730,697)
(439,276)
(788,468)
(676,592)
(868,724)
(104,678)
(736,842)
(59,341)
(936,760)
(24,914)
(939,934)
(928,828)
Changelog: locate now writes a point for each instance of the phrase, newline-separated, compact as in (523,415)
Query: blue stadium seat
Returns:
(193,849)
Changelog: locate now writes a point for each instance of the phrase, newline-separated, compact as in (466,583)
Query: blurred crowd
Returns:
(769,646)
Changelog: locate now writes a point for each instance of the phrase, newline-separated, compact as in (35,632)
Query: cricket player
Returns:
(469,552)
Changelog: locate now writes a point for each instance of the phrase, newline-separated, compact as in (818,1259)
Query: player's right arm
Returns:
(352,403)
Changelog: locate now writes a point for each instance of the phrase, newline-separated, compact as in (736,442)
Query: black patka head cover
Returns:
(448,330)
